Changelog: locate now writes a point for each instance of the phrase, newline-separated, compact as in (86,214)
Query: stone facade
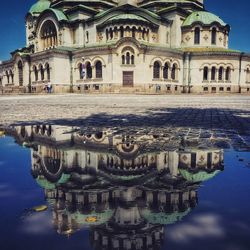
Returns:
(125,47)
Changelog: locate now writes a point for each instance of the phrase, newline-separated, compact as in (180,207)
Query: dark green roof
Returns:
(59,14)
(44,183)
(164,218)
(198,177)
(39,6)
(202,17)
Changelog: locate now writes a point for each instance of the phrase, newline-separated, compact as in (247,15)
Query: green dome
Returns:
(164,218)
(44,183)
(203,17)
(39,7)
(198,177)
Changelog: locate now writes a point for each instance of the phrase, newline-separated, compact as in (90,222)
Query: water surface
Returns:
(124,188)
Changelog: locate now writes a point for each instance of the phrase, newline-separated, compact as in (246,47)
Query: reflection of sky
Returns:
(220,221)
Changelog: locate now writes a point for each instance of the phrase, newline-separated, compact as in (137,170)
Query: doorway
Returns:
(128,78)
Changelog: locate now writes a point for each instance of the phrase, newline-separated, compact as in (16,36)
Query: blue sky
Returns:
(12,27)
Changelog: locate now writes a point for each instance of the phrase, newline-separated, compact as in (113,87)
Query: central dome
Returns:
(39,7)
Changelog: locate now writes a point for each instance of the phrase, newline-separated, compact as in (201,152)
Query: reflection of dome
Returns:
(44,183)
(164,218)
(39,7)
(197,177)
(202,17)
(93,218)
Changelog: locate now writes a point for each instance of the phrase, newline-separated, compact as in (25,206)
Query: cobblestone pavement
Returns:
(221,116)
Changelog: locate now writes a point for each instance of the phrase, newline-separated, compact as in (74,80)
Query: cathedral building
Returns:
(125,46)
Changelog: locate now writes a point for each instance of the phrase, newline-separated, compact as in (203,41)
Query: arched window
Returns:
(107,35)
(87,36)
(156,70)
(197,32)
(165,71)
(248,75)
(123,59)
(8,77)
(48,35)
(228,74)
(35,73)
(81,71)
(213,74)
(48,71)
(89,70)
(11,76)
(20,72)
(133,32)
(214,35)
(133,59)
(127,58)
(143,33)
(221,71)
(174,72)
(111,33)
(98,69)
(122,32)
(42,72)
(205,74)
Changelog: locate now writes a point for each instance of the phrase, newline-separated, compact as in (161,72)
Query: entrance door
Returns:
(128,78)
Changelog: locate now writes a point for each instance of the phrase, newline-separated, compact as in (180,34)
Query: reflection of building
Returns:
(125,45)
(124,187)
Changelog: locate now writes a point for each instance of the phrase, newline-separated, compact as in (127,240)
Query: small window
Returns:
(213,89)
(205,89)
(156,71)
(168,88)
(214,33)
(97,87)
(205,74)
(221,71)
(221,89)
(197,35)
(228,89)
(213,74)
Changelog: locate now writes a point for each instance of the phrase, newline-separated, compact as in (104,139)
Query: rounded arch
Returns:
(48,70)
(166,68)
(160,60)
(98,69)
(88,69)
(35,70)
(197,35)
(156,69)
(213,35)
(20,72)
(96,59)
(48,31)
(41,69)
(205,73)
(174,71)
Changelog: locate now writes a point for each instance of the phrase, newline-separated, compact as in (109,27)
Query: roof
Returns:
(164,218)
(59,14)
(202,17)
(46,184)
(128,18)
(197,177)
(39,6)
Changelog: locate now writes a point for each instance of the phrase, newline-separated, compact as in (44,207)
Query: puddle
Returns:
(124,188)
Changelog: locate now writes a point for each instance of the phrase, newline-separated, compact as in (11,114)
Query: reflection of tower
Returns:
(127,229)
